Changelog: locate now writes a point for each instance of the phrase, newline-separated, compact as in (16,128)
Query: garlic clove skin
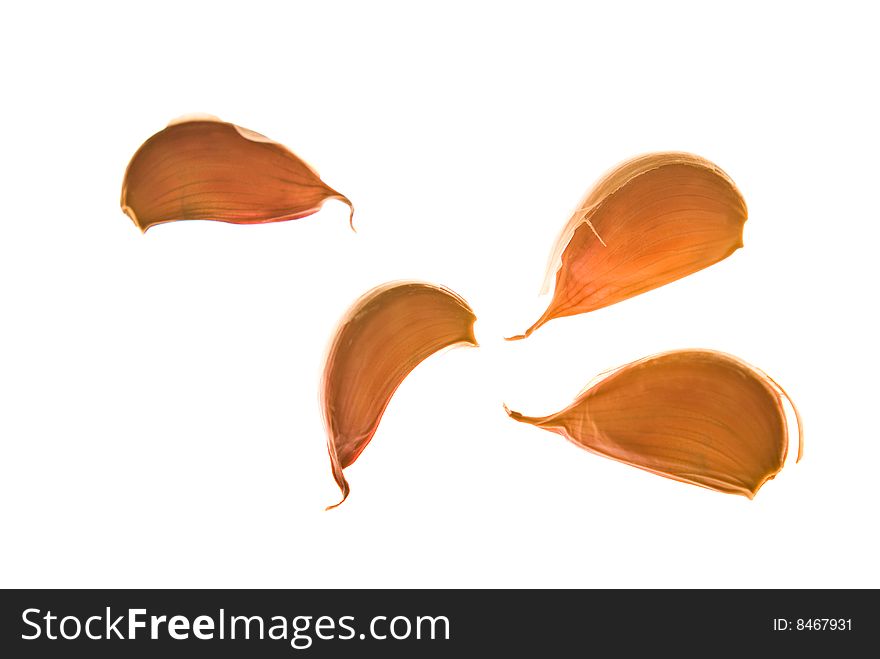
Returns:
(201,168)
(697,416)
(380,340)
(650,221)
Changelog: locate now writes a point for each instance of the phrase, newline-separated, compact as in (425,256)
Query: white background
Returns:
(160,422)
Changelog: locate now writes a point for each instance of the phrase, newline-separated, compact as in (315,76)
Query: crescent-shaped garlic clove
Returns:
(696,416)
(207,169)
(382,338)
(650,221)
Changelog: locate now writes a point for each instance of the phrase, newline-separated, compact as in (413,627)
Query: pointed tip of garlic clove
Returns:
(345,492)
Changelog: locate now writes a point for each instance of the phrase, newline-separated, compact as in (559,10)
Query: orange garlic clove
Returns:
(650,221)
(384,336)
(696,416)
(207,169)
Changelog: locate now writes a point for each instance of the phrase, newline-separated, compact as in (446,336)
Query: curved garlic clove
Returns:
(650,221)
(696,416)
(206,169)
(384,336)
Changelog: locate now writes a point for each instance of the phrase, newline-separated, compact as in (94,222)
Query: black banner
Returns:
(319,623)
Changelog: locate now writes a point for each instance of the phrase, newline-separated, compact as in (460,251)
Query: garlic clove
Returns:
(696,416)
(381,339)
(206,169)
(650,221)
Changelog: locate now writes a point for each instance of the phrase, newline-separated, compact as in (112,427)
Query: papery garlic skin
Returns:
(650,221)
(696,416)
(382,338)
(206,169)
